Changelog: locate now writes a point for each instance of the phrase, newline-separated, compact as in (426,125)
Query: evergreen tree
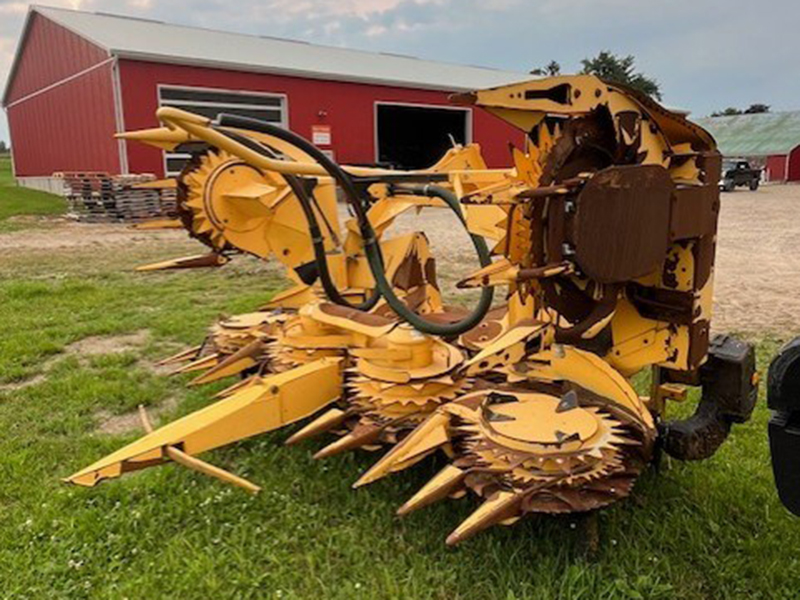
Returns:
(621,69)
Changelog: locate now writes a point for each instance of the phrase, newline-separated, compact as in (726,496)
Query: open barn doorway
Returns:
(414,137)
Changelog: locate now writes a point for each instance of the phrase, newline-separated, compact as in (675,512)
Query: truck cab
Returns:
(737,172)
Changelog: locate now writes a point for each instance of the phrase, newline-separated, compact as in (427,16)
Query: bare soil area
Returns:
(757,280)
(65,234)
(92,346)
(110,424)
(758,263)
(757,272)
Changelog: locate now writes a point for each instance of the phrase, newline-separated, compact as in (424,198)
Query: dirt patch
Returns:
(107,422)
(100,345)
(111,424)
(71,235)
(37,220)
(92,346)
(156,368)
(21,385)
(97,345)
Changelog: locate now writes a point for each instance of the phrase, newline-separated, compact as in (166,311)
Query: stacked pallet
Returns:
(97,197)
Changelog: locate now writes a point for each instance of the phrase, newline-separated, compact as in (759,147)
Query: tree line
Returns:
(750,110)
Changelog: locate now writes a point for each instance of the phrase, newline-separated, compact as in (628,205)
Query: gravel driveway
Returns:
(757,285)
(757,275)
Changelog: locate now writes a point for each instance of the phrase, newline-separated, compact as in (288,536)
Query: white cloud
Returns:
(315,8)
(693,48)
(375,30)
(13,8)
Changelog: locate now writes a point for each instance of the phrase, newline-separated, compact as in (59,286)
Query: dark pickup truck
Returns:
(737,173)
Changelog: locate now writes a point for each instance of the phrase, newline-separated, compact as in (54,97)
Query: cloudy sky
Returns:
(706,54)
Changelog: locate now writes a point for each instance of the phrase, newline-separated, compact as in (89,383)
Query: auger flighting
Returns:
(601,238)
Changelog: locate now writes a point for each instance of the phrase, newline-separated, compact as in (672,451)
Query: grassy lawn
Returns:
(696,531)
(18,201)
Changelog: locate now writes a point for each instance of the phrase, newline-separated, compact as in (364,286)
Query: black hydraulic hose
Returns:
(371,245)
(481,249)
(317,241)
(334,170)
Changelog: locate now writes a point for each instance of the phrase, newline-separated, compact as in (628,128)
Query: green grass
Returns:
(17,201)
(699,531)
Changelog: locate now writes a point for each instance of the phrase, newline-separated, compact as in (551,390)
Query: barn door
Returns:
(414,137)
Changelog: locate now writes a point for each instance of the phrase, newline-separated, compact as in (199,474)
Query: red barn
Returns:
(769,140)
(78,78)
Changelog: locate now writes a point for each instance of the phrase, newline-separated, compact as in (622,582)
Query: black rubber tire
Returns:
(754,185)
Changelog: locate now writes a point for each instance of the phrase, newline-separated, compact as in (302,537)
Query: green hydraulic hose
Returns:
(371,245)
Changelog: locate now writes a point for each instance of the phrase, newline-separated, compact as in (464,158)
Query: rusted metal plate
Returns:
(621,229)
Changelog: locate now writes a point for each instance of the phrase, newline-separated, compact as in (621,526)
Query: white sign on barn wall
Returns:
(321,135)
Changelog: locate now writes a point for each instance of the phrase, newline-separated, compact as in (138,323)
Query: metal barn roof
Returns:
(762,134)
(143,39)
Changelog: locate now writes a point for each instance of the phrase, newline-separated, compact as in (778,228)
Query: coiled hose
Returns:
(317,241)
(371,245)
(481,249)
